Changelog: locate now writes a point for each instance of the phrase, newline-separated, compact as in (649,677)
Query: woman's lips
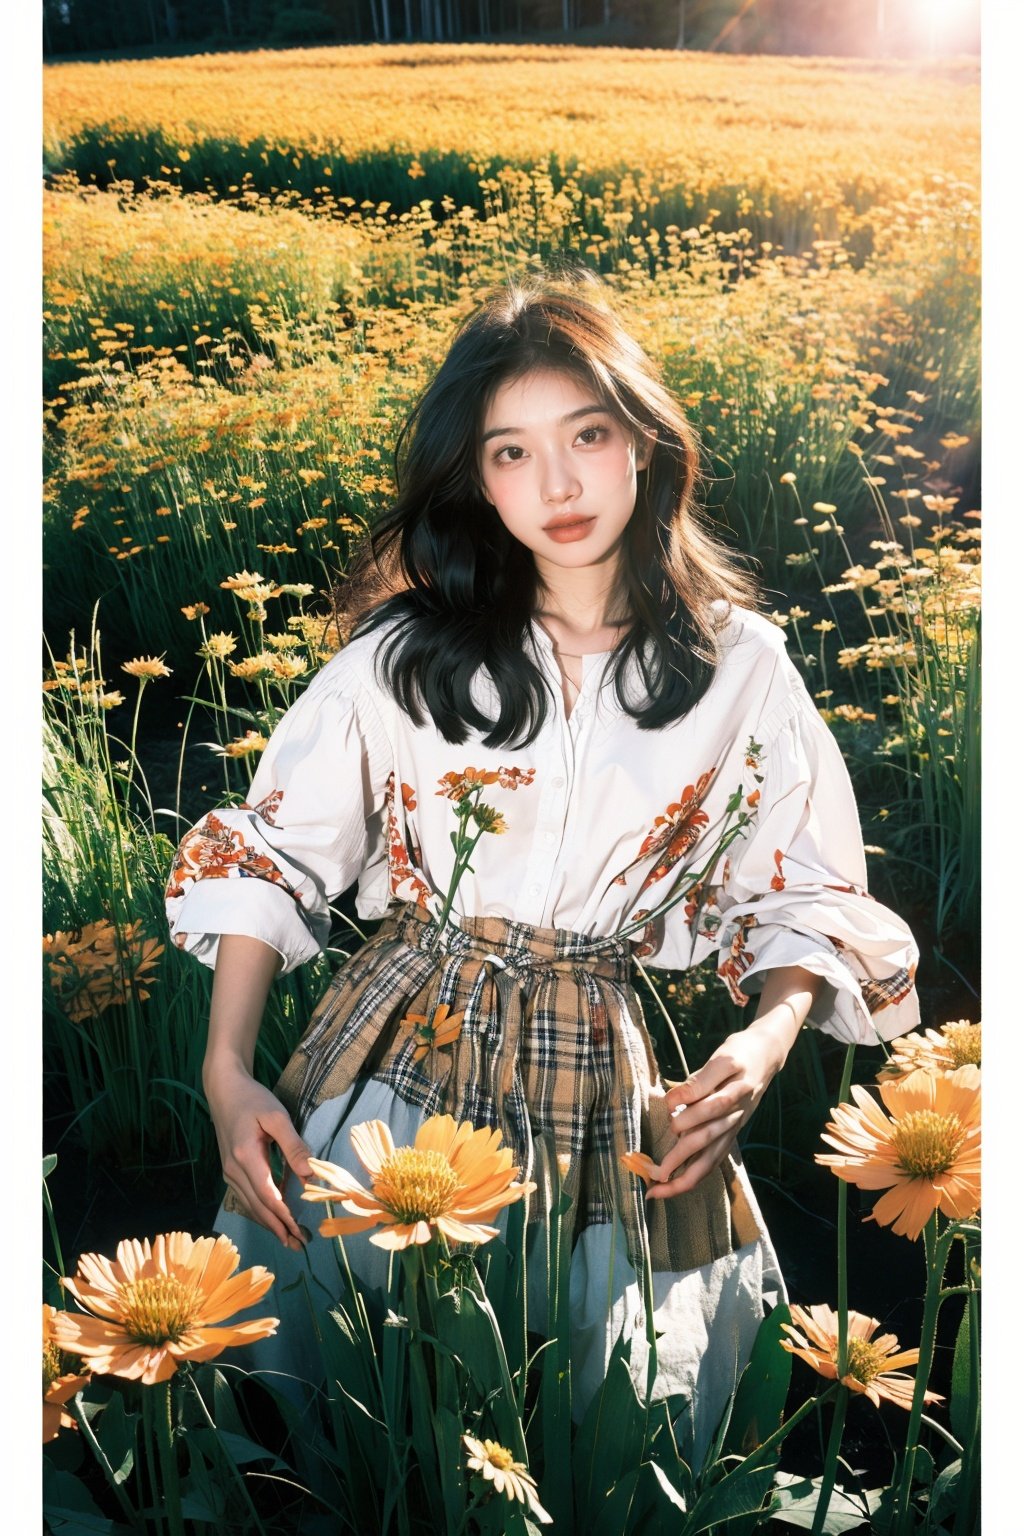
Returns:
(569,531)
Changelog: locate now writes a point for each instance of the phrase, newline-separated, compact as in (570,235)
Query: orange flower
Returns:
(870,1362)
(456,786)
(157,1305)
(442,1029)
(57,1387)
(97,965)
(926,1157)
(955,1045)
(643,1166)
(452,1180)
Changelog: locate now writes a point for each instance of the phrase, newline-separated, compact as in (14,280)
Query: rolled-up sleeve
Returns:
(795,891)
(309,827)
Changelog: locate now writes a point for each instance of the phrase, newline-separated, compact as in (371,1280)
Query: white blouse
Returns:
(600,823)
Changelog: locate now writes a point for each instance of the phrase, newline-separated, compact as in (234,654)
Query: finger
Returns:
(694,1171)
(246,1196)
(716,1071)
(696,1141)
(293,1149)
(266,1203)
(721,1102)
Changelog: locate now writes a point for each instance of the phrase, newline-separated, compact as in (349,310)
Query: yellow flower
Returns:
(258,593)
(443,1028)
(870,1361)
(219,645)
(146,667)
(289,667)
(451,1181)
(58,1385)
(252,741)
(242,579)
(926,1157)
(488,819)
(155,1306)
(955,1045)
(110,700)
(95,966)
(497,1466)
(195,610)
(253,666)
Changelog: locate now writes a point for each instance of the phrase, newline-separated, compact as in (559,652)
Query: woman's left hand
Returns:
(709,1109)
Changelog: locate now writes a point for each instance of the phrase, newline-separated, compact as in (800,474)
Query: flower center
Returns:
(498,1456)
(927,1143)
(864,1360)
(51,1365)
(964,1041)
(416,1186)
(158,1309)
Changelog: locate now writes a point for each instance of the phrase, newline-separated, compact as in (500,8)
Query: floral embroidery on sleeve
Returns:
(778,879)
(214,850)
(400,871)
(268,806)
(738,960)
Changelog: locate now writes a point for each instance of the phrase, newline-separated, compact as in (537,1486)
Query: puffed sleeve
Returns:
(795,890)
(310,825)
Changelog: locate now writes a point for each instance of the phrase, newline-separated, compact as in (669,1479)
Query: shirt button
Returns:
(534,890)
(558,782)
(549,837)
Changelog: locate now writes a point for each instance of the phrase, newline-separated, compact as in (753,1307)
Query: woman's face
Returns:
(559,469)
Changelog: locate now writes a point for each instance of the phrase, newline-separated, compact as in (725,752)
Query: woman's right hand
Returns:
(248,1118)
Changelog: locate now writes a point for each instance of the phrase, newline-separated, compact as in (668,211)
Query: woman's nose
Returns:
(558,481)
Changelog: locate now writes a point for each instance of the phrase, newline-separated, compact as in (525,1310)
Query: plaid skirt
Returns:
(552,1051)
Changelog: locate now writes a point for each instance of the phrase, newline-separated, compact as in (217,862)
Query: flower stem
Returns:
(168,1464)
(148,1437)
(842,1287)
(108,1472)
(936,1248)
(233,1469)
(828,1476)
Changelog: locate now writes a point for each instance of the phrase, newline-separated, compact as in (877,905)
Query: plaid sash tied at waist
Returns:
(552,1050)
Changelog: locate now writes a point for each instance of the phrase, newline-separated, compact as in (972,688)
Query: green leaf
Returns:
(49,1164)
(239,1448)
(963,1401)
(116,1433)
(741,1491)
(760,1399)
(796,1502)
(610,1441)
(69,1507)
(945,1491)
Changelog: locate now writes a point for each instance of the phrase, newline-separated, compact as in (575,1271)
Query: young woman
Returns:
(559,664)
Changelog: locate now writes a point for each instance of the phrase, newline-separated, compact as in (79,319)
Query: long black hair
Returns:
(460,590)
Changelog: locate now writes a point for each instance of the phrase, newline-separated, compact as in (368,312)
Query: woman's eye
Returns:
(512,449)
(591,435)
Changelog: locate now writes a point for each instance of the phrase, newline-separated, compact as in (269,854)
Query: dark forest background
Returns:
(860,27)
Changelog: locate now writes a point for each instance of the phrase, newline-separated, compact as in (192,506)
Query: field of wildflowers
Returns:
(253,262)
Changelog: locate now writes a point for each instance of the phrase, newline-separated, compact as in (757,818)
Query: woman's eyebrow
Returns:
(583,410)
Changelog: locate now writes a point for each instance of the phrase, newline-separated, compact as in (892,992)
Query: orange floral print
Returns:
(216,851)
(400,871)
(268,806)
(512,778)
(778,879)
(739,960)
(674,833)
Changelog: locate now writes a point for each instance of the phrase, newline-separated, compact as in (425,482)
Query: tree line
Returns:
(746,26)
